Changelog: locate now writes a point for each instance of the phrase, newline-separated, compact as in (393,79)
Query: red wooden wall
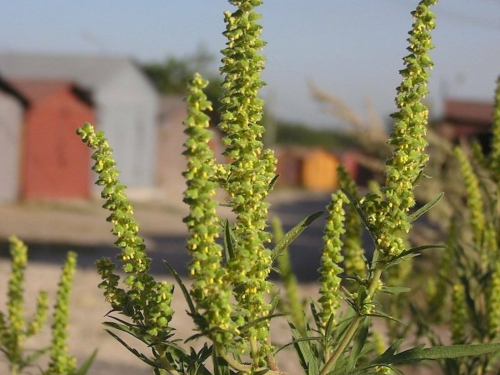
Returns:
(56,164)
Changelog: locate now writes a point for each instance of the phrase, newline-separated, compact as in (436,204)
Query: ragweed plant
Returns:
(469,269)
(251,171)
(210,289)
(230,298)
(15,329)
(61,362)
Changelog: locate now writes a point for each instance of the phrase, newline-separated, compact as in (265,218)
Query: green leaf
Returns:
(421,175)
(135,352)
(355,203)
(361,213)
(380,314)
(420,353)
(315,313)
(177,278)
(413,252)
(228,241)
(444,352)
(288,238)
(28,361)
(275,301)
(273,183)
(220,365)
(126,328)
(394,290)
(306,355)
(391,349)
(293,342)
(245,327)
(422,210)
(87,364)
(358,345)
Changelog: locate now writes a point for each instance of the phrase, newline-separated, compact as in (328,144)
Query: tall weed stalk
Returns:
(230,298)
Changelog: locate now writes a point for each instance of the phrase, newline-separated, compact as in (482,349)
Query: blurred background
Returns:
(331,73)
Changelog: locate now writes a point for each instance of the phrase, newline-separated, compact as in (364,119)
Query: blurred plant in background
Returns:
(15,329)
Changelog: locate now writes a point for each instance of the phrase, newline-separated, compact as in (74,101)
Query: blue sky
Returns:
(352,48)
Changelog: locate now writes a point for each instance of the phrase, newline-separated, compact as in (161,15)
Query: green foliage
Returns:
(229,298)
(146,301)
(292,301)
(210,289)
(15,329)
(353,251)
(298,134)
(331,258)
(171,76)
(61,362)
(469,269)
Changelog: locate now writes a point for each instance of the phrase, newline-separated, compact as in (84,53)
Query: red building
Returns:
(467,119)
(55,163)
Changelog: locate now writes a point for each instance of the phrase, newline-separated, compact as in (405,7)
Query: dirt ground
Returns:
(52,229)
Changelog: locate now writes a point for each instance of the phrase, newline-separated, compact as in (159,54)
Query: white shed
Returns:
(12,109)
(126,104)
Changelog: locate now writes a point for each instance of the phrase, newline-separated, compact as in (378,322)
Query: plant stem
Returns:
(271,362)
(231,361)
(167,366)
(241,367)
(255,352)
(354,325)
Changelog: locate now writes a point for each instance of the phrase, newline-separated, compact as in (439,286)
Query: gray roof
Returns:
(87,70)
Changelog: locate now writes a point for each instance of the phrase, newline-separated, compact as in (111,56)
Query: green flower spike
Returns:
(61,362)
(353,250)
(458,315)
(209,289)
(331,257)
(438,300)
(36,324)
(495,147)
(14,329)
(389,217)
(15,335)
(252,169)
(494,303)
(474,198)
(147,302)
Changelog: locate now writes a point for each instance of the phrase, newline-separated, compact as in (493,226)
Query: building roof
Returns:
(88,71)
(464,111)
(34,90)
(8,88)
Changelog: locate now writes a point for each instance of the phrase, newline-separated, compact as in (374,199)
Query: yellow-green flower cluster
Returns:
(14,329)
(474,198)
(42,303)
(331,257)
(147,302)
(251,170)
(494,303)
(438,299)
(61,362)
(210,289)
(353,251)
(389,216)
(458,315)
(14,335)
(495,147)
